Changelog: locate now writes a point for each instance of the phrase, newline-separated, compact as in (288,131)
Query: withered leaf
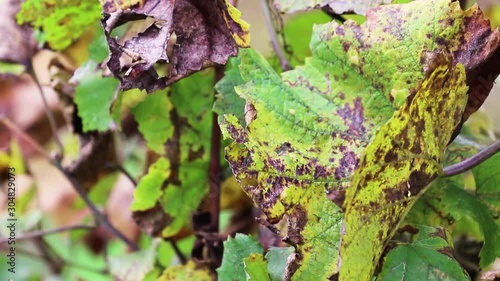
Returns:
(184,37)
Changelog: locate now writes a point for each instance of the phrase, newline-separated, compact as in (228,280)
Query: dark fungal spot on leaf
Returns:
(337,197)
(320,172)
(393,194)
(353,117)
(346,46)
(416,149)
(302,170)
(420,125)
(195,154)
(391,156)
(277,164)
(284,148)
(417,181)
(239,136)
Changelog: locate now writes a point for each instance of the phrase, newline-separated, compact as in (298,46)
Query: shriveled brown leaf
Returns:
(480,54)
(197,33)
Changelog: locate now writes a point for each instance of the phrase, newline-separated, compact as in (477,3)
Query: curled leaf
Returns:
(197,33)
(397,166)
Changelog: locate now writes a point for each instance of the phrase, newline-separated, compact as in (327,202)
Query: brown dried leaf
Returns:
(198,33)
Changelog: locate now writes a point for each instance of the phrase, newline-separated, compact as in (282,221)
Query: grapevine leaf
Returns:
(256,268)
(93,97)
(188,271)
(482,63)
(338,6)
(228,102)
(306,130)
(430,208)
(62,22)
(276,261)
(487,177)
(173,193)
(148,190)
(403,158)
(206,33)
(290,182)
(427,258)
(460,203)
(153,116)
(447,201)
(235,250)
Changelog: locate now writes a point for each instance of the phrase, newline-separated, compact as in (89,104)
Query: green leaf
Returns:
(148,190)
(460,203)
(299,162)
(134,266)
(235,250)
(228,102)
(153,116)
(306,130)
(189,271)
(487,178)
(62,21)
(276,261)
(93,97)
(422,260)
(450,201)
(256,268)
(98,48)
(183,130)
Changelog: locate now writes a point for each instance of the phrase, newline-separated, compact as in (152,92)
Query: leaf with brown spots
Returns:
(306,129)
(397,166)
(182,38)
(298,151)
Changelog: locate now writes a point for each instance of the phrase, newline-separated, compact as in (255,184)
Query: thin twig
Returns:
(472,162)
(214,165)
(95,212)
(285,64)
(123,171)
(177,251)
(50,115)
(13,127)
(41,233)
(333,15)
(100,218)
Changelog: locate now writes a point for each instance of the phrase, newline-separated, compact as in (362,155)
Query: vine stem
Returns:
(285,64)
(473,161)
(22,135)
(50,116)
(214,165)
(98,216)
(40,233)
